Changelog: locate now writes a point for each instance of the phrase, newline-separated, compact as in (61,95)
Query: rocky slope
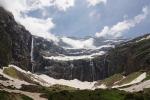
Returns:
(125,58)
(15,42)
(129,57)
(61,63)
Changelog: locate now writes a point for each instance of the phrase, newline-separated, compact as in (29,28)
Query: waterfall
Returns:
(31,54)
(105,60)
(93,69)
(105,65)
(72,66)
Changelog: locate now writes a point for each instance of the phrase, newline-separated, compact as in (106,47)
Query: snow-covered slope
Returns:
(47,81)
(136,80)
(43,80)
(137,87)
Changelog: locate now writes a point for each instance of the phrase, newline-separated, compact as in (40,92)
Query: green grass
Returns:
(147,76)
(13,96)
(58,87)
(111,80)
(86,95)
(42,89)
(129,78)
(98,95)
(12,72)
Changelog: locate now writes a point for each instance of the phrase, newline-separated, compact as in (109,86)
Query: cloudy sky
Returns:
(100,18)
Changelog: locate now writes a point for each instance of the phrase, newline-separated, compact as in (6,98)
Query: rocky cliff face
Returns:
(15,42)
(130,56)
(125,58)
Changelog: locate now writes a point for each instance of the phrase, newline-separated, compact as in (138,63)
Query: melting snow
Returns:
(137,80)
(137,87)
(146,38)
(105,46)
(48,81)
(72,83)
(102,86)
(67,58)
(12,81)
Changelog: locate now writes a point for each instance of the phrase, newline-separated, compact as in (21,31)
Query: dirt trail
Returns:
(35,96)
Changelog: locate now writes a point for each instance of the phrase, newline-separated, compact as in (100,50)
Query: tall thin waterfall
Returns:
(105,64)
(93,69)
(72,65)
(31,54)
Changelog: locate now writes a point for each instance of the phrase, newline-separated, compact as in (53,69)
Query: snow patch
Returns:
(145,38)
(47,81)
(138,87)
(137,80)
(72,83)
(106,46)
(68,58)
(102,86)
(12,81)
(34,77)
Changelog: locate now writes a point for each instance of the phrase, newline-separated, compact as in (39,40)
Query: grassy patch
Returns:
(86,95)
(42,89)
(60,88)
(98,95)
(34,88)
(111,80)
(12,72)
(13,96)
(147,76)
(129,78)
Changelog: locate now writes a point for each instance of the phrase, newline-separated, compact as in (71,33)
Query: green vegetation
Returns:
(34,88)
(41,89)
(13,96)
(111,80)
(85,95)
(12,72)
(97,95)
(147,76)
(129,78)
(58,92)
(58,88)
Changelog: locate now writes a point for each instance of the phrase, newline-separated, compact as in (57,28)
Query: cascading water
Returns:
(31,54)
(105,64)
(93,69)
(72,66)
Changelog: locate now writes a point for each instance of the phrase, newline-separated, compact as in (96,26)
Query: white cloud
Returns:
(79,44)
(95,2)
(37,26)
(120,27)
(63,4)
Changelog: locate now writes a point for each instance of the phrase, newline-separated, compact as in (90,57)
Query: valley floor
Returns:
(34,96)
